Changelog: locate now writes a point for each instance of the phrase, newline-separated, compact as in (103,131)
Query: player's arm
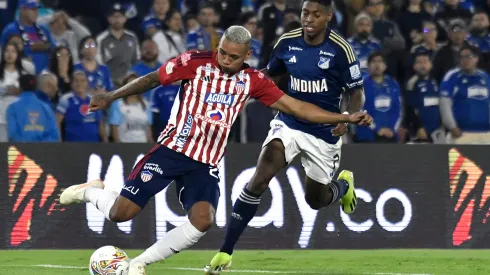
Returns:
(353,100)
(315,114)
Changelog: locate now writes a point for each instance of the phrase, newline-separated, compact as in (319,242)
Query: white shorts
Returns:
(319,158)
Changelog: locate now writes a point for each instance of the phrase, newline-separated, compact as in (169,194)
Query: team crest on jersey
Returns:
(184,58)
(83,109)
(146,176)
(240,87)
(324,62)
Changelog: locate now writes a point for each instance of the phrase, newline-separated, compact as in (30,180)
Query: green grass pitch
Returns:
(341,262)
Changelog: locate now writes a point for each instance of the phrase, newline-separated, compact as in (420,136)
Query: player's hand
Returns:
(367,120)
(340,130)
(356,118)
(99,102)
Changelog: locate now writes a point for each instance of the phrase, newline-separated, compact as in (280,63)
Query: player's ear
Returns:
(249,53)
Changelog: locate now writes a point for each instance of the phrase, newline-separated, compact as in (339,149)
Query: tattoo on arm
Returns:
(137,86)
(353,101)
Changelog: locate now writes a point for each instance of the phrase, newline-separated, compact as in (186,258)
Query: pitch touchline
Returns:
(200,270)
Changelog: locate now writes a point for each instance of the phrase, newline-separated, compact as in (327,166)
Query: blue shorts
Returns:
(195,181)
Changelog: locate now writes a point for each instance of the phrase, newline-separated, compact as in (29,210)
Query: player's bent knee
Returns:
(202,216)
(123,210)
(313,202)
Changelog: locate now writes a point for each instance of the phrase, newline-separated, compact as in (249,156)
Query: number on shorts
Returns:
(336,159)
(213,171)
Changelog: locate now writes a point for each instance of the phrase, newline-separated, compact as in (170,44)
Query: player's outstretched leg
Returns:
(201,218)
(114,207)
(342,190)
(271,160)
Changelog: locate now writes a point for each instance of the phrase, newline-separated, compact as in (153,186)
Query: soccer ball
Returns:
(109,260)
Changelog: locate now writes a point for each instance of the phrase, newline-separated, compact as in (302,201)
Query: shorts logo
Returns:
(216,115)
(153,167)
(146,176)
(276,128)
(132,189)
(219,98)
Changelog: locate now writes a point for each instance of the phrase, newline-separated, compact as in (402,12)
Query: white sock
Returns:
(102,199)
(173,242)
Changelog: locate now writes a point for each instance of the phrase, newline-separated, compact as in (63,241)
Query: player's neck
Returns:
(316,40)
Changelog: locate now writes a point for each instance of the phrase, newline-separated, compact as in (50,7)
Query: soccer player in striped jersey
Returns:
(323,69)
(215,86)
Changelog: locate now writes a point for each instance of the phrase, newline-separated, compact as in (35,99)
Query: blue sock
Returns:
(243,211)
(339,188)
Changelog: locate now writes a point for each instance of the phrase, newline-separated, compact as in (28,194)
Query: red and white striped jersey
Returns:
(208,103)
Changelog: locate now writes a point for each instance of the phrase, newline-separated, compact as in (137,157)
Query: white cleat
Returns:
(75,193)
(136,269)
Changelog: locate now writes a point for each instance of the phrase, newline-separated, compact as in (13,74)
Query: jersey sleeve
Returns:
(276,65)
(182,67)
(350,71)
(447,85)
(266,91)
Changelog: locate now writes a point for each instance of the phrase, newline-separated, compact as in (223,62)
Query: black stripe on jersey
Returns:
(339,40)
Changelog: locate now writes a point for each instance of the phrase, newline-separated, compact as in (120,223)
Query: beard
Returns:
(363,35)
(479,31)
(149,59)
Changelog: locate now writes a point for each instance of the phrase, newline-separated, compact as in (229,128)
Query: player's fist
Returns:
(360,118)
(99,102)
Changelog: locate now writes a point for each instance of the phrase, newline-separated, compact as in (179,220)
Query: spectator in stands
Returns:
(171,41)
(28,118)
(10,69)
(410,22)
(387,32)
(27,64)
(429,43)
(465,100)
(159,10)
(149,63)
(37,39)
(363,42)
(118,47)
(74,120)
(207,37)
(249,21)
(450,10)
(5,101)
(422,100)
(230,10)
(99,76)
(65,31)
(383,102)
(271,18)
(162,102)
(130,118)
(47,89)
(190,23)
(480,36)
(447,57)
(61,66)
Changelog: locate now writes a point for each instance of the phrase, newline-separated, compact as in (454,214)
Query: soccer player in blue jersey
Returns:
(322,68)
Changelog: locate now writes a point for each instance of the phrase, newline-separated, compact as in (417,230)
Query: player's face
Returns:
(430,32)
(468,60)
(232,55)
(79,83)
(422,65)
(377,66)
(314,18)
(117,21)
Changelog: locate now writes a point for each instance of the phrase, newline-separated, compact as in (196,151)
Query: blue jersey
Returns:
(423,97)
(163,100)
(30,35)
(363,49)
(469,94)
(254,60)
(317,74)
(141,69)
(383,103)
(79,124)
(100,78)
(483,43)
(30,120)
(201,40)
